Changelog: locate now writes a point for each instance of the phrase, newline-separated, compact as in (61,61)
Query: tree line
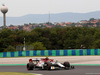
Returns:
(51,38)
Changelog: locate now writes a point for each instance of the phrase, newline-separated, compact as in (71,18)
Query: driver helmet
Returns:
(46,58)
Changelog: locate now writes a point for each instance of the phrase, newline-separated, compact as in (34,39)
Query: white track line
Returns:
(92,73)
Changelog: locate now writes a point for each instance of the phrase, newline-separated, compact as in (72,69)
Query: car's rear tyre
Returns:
(30,66)
(47,66)
(67,65)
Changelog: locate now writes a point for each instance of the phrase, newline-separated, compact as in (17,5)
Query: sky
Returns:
(18,8)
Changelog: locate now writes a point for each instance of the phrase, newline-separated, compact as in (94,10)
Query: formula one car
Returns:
(47,64)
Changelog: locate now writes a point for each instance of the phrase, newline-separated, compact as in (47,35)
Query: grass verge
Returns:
(14,73)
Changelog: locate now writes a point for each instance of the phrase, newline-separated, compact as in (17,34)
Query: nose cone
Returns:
(4,9)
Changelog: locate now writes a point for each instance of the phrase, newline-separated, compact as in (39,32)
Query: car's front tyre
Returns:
(30,66)
(67,65)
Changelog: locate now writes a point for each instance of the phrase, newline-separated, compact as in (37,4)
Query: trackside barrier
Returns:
(76,52)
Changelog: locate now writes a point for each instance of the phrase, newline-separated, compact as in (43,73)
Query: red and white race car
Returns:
(47,64)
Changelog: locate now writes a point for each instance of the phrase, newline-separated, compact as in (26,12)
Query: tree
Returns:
(98,24)
(4,33)
(38,46)
(91,19)
(97,44)
(10,49)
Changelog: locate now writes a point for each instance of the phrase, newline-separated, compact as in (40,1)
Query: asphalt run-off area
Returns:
(84,65)
(79,70)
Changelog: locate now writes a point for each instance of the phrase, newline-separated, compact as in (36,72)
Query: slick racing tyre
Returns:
(67,65)
(30,66)
(47,66)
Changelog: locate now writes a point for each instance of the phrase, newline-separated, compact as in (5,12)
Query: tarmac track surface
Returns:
(79,70)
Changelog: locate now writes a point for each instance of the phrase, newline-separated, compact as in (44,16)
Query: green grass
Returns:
(14,73)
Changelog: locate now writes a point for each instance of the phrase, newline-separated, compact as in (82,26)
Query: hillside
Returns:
(59,17)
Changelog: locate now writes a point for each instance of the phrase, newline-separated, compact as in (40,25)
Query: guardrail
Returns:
(76,52)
